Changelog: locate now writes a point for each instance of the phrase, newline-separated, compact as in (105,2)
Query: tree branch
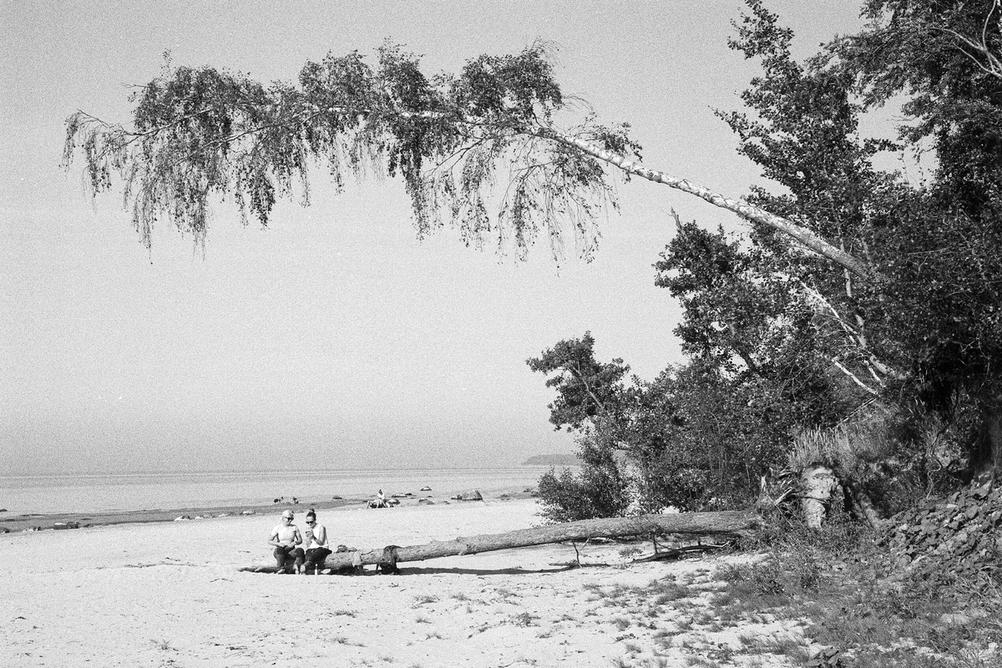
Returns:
(804,236)
(853,377)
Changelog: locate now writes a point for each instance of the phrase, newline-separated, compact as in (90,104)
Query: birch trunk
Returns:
(806,237)
(818,483)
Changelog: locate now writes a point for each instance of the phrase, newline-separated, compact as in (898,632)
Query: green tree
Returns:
(598,490)
(693,438)
(924,334)
(938,242)
(705,439)
(592,401)
(587,390)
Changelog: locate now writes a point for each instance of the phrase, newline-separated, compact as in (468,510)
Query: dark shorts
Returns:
(283,555)
(315,558)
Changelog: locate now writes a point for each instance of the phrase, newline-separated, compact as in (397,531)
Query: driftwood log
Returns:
(723,522)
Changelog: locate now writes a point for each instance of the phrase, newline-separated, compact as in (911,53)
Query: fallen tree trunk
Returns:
(723,522)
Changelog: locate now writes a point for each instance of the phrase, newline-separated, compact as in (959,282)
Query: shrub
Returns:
(599,490)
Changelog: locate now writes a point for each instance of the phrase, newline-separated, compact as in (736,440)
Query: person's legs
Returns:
(317,556)
(315,559)
(280,556)
(299,556)
(311,559)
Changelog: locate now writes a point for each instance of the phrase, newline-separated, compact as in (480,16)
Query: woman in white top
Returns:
(285,538)
(317,549)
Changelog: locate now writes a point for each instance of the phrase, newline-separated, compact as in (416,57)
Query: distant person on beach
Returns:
(317,549)
(379,501)
(285,537)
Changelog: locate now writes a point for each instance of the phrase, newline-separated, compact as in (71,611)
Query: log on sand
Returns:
(723,522)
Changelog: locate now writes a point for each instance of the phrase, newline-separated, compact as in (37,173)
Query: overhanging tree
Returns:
(491,138)
(204,133)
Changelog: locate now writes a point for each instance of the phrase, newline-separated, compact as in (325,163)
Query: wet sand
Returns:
(46,521)
(14,523)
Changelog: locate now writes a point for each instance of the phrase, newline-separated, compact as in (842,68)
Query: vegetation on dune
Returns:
(854,608)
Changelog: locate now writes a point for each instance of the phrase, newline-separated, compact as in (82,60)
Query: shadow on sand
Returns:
(404,570)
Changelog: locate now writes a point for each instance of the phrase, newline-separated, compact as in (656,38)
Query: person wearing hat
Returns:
(317,549)
(285,538)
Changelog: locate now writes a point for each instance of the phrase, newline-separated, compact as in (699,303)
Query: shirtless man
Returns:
(285,538)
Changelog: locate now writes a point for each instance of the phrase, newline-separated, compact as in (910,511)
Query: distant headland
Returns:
(553,460)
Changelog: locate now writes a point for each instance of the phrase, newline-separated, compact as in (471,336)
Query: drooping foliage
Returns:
(464,145)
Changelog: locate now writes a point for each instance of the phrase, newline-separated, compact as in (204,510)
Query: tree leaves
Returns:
(470,148)
(587,389)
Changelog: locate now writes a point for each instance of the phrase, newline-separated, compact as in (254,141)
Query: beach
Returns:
(174,594)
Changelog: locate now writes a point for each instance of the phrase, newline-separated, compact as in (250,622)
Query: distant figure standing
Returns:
(317,549)
(285,537)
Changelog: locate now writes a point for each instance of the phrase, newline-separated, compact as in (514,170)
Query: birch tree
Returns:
(497,152)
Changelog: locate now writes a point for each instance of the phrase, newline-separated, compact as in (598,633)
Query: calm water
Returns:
(151,491)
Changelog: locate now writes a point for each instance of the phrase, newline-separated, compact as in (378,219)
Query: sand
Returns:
(172,594)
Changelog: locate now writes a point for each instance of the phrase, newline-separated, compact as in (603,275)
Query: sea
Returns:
(51,494)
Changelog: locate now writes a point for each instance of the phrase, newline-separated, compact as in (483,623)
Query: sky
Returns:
(334,338)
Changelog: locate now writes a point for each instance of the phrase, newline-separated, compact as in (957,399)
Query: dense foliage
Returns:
(586,388)
(201,134)
(599,490)
(902,364)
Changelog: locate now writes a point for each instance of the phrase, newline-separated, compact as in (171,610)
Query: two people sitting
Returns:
(289,544)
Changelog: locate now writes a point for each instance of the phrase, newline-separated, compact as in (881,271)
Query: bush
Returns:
(599,490)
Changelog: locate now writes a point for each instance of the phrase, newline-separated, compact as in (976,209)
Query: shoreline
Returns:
(36,522)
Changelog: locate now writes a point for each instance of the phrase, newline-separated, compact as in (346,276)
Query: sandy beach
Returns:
(173,594)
